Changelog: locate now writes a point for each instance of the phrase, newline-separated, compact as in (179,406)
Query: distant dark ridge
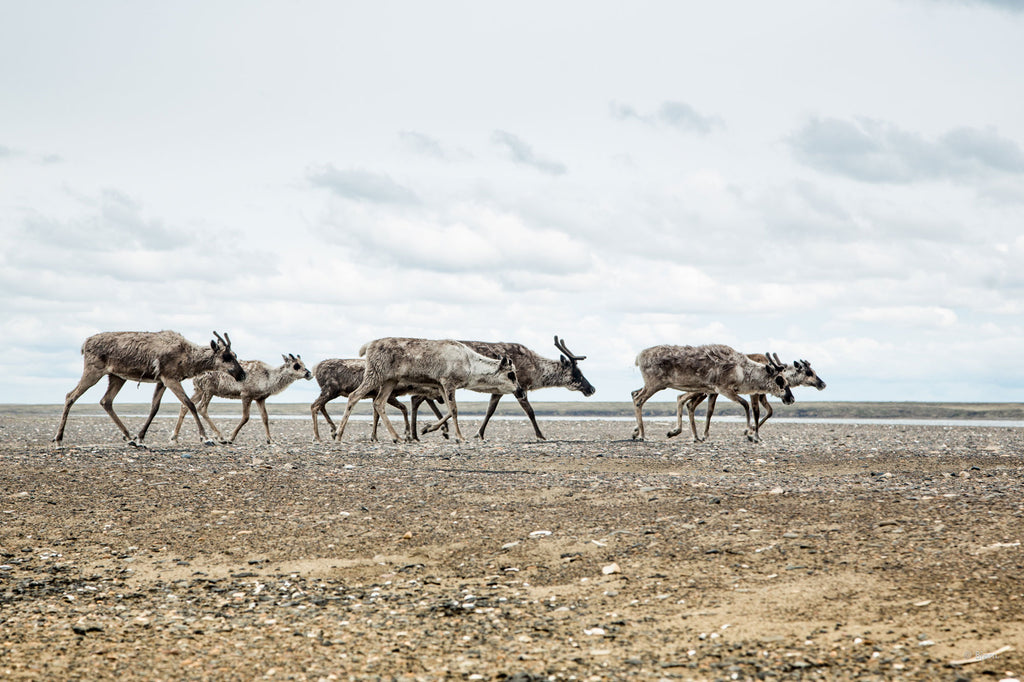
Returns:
(509,407)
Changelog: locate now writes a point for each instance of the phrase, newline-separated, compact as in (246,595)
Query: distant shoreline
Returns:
(509,407)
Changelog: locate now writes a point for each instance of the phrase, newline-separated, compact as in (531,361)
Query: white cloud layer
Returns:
(330,175)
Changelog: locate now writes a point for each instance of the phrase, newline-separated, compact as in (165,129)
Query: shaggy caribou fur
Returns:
(338,377)
(797,374)
(166,358)
(433,364)
(261,382)
(714,368)
(533,371)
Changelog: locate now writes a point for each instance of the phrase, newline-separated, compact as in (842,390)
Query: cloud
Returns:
(5,152)
(422,144)
(465,237)
(523,153)
(1005,5)
(361,185)
(875,151)
(678,115)
(116,223)
(917,317)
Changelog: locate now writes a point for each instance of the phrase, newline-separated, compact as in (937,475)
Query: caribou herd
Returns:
(427,370)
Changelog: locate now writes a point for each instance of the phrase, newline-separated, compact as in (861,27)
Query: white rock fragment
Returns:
(540,533)
(611,568)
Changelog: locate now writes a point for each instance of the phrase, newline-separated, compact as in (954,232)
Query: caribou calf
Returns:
(338,377)
(443,365)
(799,373)
(166,358)
(713,368)
(533,371)
(261,381)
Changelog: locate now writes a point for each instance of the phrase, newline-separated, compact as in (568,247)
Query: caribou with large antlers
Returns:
(533,371)
(166,358)
(799,373)
(261,381)
(713,368)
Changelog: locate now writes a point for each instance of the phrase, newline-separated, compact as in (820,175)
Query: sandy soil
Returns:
(825,552)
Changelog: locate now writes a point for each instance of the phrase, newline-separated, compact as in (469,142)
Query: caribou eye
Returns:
(512,376)
(780,382)
(296,367)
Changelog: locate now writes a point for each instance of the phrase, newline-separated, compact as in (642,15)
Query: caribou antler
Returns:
(221,339)
(560,345)
(774,362)
(780,363)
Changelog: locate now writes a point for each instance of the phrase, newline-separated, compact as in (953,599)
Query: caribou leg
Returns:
(641,396)
(320,405)
(90,377)
(712,400)
(114,384)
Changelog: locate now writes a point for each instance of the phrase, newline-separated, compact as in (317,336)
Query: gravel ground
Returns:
(825,552)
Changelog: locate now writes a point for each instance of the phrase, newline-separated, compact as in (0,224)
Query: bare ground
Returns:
(826,552)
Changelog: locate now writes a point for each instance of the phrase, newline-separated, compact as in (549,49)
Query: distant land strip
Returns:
(510,408)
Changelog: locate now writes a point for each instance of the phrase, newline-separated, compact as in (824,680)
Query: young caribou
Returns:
(713,368)
(261,381)
(166,358)
(338,377)
(799,373)
(443,365)
(533,371)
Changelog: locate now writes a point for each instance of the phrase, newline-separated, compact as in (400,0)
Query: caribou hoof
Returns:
(673,433)
(210,442)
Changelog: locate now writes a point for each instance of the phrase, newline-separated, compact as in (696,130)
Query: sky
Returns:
(839,182)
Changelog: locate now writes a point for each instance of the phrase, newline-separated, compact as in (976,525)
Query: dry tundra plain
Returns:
(829,551)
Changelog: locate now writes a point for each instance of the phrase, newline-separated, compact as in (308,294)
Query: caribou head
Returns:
(775,368)
(226,358)
(808,377)
(569,361)
(298,366)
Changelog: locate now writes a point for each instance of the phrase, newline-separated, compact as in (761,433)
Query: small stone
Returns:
(611,568)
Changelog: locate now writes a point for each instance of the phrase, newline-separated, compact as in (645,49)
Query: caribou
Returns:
(166,358)
(261,381)
(339,377)
(436,365)
(712,368)
(533,371)
(799,373)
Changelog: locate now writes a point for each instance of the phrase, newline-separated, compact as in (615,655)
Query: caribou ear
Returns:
(565,361)
(213,345)
(286,359)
